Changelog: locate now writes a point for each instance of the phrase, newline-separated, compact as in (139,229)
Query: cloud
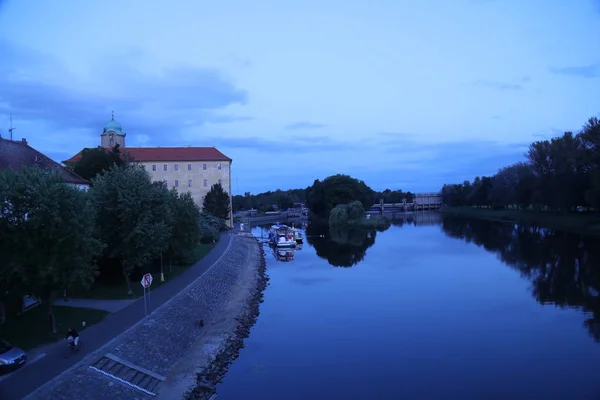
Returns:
(500,85)
(285,145)
(584,71)
(548,133)
(403,163)
(304,125)
(158,104)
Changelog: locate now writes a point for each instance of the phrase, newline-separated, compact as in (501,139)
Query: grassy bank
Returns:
(585,223)
(119,291)
(31,328)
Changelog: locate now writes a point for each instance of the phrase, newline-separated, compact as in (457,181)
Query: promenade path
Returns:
(27,379)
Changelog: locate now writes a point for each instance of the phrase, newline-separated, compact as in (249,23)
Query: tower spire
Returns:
(11,129)
(112,115)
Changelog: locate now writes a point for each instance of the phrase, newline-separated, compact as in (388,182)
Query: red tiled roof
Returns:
(15,155)
(168,154)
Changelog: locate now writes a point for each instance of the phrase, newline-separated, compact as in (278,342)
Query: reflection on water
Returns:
(564,268)
(285,254)
(433,308)
(340,247)
(346,247)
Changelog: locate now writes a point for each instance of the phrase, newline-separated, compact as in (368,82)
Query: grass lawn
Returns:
(119,291)
(584,223)
(31,328)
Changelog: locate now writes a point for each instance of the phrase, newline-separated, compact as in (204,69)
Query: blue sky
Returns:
(403,94)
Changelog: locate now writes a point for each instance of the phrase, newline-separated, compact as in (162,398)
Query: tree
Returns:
(324,195)
(216,202)
(561,174)
(47,230)
(97,160)
(131,217)
(185,226)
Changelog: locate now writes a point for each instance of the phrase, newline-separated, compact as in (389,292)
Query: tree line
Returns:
(561,174)
(54,237)
(285,199)
(269,201)
(323,196)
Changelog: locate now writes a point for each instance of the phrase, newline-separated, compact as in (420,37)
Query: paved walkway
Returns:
(97,304)
(24,381)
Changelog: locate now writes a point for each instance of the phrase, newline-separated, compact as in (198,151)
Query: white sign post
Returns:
(146,282)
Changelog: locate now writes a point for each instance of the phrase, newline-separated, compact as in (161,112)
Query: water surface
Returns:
(428,309)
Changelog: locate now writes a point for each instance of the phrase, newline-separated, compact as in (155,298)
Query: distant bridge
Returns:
(422,201)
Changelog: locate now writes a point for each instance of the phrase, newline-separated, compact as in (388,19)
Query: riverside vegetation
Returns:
(57,239)
(557,186)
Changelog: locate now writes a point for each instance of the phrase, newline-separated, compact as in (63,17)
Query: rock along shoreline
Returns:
(212,374)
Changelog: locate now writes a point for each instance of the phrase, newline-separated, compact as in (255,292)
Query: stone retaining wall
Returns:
(163,338)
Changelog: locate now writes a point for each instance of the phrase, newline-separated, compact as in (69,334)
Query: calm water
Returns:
(428,309)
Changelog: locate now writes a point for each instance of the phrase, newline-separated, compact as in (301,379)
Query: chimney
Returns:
(23,140)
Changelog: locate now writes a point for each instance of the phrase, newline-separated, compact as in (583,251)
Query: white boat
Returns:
(282,236)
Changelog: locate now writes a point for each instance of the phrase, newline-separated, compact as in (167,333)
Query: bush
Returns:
(209,231)
(355,210)
(339,215)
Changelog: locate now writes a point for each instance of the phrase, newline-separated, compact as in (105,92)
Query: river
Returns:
(431,308)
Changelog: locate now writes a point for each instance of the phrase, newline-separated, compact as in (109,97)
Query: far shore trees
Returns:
(324,195)
(560,175)
(216,202)
(47,236)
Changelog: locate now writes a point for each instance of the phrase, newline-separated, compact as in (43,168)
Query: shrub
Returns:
(339,215)
(355,210)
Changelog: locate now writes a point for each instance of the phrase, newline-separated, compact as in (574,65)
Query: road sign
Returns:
(146,281)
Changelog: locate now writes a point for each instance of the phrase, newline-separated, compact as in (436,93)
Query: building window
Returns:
(218,166)
(189,167)
(204,167)
(165,167)
(176,167)
(220,181)
(205,181)
(154,167)
(189,183)
(176,183)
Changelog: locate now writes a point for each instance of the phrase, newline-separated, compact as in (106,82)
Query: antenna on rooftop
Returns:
(11,129)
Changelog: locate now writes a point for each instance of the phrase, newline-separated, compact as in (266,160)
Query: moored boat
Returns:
(282,236)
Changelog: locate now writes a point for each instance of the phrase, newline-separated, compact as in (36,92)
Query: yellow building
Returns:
(188,169)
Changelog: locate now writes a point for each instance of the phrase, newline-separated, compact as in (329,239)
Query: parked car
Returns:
(11,357)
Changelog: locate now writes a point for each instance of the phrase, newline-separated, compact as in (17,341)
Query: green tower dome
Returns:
(113,126)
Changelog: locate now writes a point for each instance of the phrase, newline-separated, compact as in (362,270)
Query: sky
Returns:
(401,94)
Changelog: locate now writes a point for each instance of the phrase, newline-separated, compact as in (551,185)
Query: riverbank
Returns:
(582,223)
(197,375)
(144,358)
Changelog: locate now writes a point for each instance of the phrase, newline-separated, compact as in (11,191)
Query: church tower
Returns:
(112,134)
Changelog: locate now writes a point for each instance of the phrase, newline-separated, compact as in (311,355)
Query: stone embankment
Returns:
(152,358)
